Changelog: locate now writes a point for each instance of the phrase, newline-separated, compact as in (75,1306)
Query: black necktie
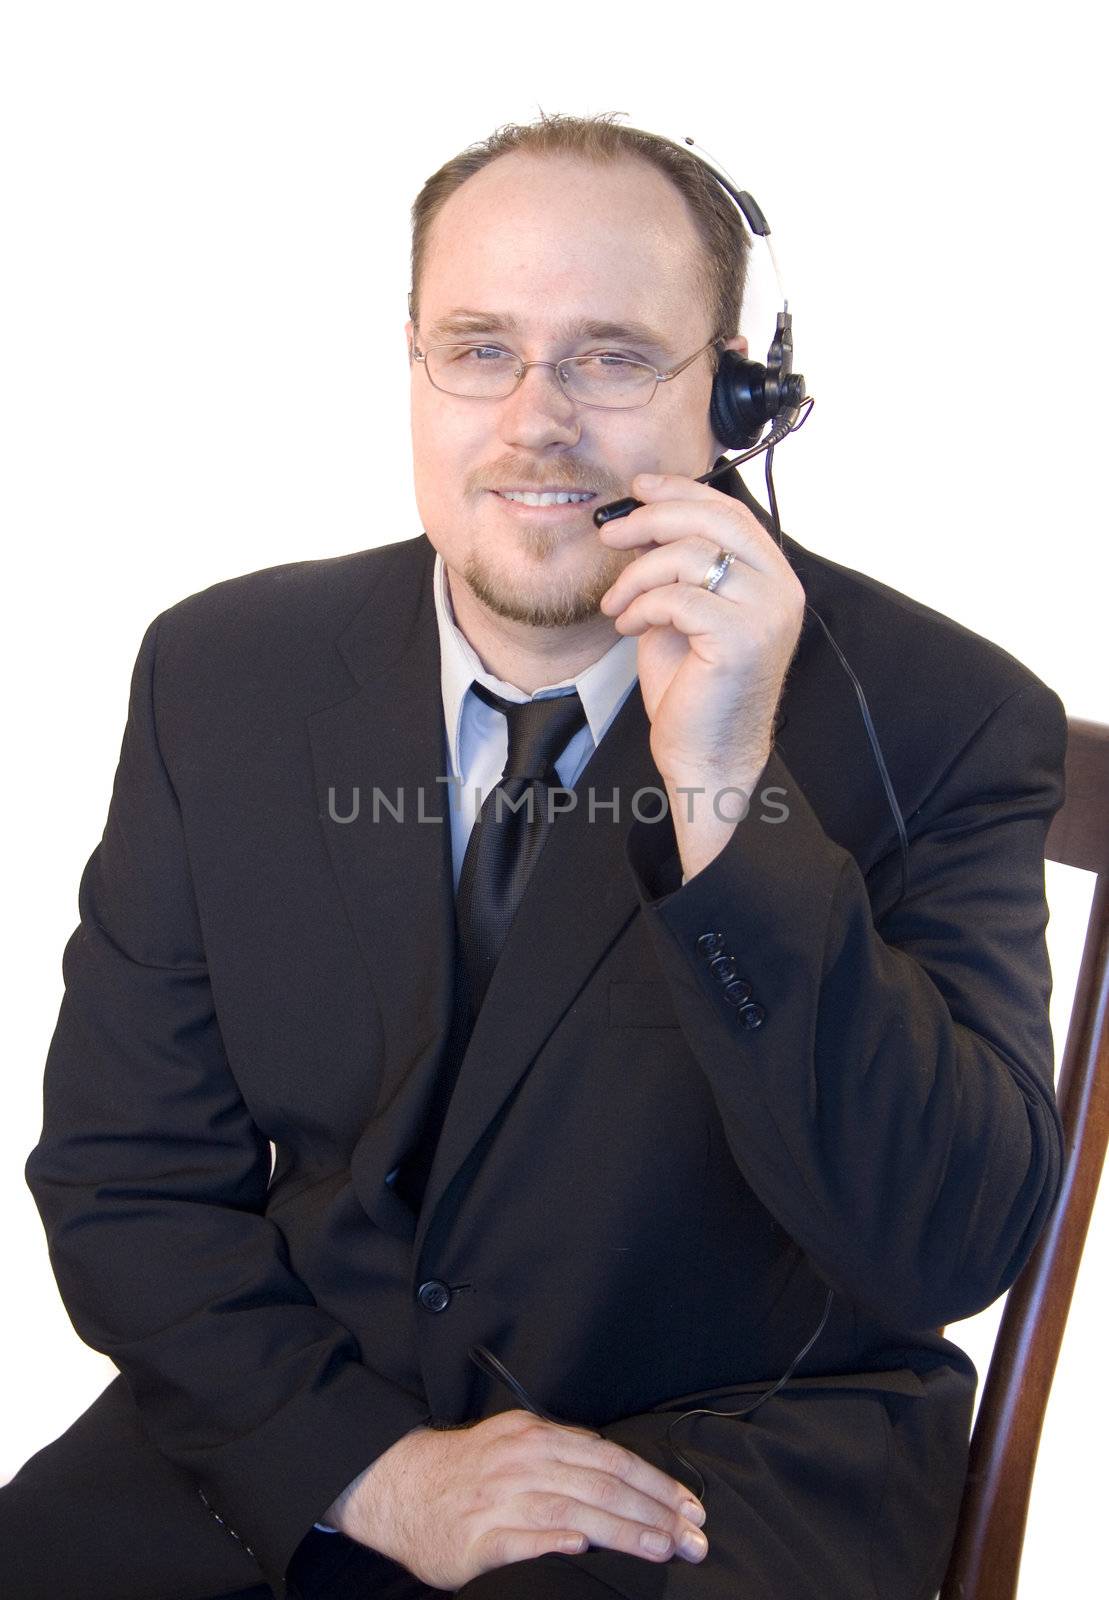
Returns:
(499,858)
(508,835)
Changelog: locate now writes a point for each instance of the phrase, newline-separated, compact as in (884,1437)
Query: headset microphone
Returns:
(745,396)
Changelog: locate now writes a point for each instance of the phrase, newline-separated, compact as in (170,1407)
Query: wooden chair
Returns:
(985,1558)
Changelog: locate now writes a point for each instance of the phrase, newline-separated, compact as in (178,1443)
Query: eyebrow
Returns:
(461,320)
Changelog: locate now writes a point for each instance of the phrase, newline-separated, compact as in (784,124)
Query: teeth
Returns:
(544,499)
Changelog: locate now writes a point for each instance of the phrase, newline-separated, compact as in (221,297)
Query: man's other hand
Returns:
(451,1504)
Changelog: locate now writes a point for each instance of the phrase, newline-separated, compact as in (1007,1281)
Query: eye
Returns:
(611,357)
(460,352)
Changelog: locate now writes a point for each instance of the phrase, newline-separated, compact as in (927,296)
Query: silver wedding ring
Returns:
(718,569)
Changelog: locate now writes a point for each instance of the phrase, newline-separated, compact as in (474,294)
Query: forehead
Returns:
(549,243)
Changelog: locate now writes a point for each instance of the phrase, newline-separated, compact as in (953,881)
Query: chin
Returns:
(564,601)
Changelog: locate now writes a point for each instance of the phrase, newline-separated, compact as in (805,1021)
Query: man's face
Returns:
(547,241)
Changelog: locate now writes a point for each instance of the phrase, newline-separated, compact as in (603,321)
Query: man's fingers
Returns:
(500,1547)
(654,1536)
(605,1455)
(616,1501)
(567,1477)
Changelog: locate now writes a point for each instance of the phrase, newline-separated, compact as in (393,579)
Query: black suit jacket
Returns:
(637,1199)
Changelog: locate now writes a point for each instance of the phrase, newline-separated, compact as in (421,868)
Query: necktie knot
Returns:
(538,731)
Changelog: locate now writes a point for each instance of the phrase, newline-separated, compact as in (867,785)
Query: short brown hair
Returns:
(716,219)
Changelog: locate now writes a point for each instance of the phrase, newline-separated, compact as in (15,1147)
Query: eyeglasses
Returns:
(489,372)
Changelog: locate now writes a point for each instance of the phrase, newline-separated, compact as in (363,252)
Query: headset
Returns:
(745,394)
(747,398)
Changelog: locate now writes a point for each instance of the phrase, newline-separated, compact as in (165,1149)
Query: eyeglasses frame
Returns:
(522,367)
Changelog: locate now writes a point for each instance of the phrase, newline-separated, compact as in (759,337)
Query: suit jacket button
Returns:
(709,944)
(751,1015)
(722,968)
(433,1295)
(737,993)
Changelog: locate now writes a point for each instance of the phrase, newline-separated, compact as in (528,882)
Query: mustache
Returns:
(541,482)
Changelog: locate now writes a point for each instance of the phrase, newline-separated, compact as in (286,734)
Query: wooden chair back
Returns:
(985,1559)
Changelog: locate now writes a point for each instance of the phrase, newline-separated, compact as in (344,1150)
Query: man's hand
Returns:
(711,664)
(450,1504)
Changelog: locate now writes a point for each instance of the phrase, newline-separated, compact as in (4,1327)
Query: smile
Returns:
(559,497)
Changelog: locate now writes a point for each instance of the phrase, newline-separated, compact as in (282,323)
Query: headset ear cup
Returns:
(737,411)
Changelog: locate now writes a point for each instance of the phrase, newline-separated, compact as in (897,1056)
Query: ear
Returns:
(739,345)
(409,329)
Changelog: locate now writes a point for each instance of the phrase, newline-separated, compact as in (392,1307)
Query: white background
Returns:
(204,372)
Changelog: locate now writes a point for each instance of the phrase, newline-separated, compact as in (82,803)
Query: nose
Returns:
(539,411)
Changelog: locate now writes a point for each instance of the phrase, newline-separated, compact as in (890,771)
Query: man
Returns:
(554,1202)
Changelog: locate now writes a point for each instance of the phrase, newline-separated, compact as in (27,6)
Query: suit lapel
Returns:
(393,875)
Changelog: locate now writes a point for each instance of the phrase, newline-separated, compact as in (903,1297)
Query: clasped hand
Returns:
(451,1504)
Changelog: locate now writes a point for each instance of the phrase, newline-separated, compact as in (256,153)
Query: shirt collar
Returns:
(603,687)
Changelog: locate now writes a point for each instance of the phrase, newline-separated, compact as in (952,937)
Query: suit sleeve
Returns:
(893,1107)
(151,1181)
